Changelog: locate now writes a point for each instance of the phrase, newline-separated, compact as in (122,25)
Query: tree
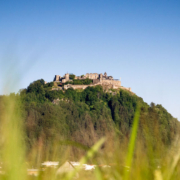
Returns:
(72,76)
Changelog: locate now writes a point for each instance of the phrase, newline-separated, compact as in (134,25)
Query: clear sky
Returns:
(138,41)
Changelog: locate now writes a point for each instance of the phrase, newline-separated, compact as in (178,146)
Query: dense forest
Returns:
(84,116)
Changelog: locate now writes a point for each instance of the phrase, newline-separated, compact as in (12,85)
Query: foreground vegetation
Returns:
(141,140)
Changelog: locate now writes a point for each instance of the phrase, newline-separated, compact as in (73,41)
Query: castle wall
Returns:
(95,81)
(108,81)
(77,86)
(66,80)
(85,86)
(115,84)
(98,79)
(92,75)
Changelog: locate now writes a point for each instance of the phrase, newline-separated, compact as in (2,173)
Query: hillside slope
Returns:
(84,116)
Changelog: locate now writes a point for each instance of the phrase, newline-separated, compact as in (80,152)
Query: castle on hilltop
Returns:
(97,79)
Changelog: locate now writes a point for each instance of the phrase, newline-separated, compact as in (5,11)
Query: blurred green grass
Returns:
(129,162)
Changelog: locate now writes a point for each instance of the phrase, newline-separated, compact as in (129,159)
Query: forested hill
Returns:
(86,115)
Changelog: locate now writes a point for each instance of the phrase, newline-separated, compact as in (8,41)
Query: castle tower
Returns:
(100,77)
(57,78)
(67,77)
(105,74)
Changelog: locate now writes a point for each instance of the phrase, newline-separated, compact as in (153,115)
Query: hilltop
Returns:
(86,115)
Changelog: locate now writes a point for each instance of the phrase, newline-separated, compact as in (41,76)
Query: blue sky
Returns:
(138,41)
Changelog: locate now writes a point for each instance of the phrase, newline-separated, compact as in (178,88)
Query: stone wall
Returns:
(109,86)
(66,80)
(95,81)
(113,82)
(92,75)
(77,86)
(98,79)
(63,79)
